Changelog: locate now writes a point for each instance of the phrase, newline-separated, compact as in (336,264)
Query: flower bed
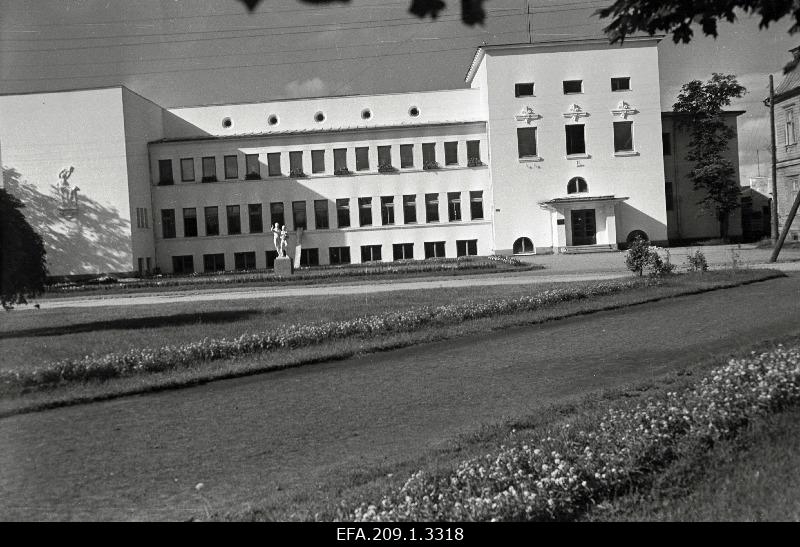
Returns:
(137,361)
(556,475)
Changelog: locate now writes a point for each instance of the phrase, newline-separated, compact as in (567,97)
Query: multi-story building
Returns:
(551,147)
(787,153)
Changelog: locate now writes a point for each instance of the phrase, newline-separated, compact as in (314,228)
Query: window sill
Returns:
(528,159)
(578,156)
(620,90)
(627,153)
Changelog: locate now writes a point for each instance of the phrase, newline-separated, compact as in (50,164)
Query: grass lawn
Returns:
(752,477)
(26,338)
(749,477)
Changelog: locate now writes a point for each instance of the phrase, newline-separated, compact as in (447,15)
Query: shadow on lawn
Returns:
(136,323)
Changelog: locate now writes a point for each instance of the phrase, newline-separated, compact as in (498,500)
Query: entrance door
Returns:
(584,228)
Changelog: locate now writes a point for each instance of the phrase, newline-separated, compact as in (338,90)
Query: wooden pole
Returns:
(774,203)
(786,227)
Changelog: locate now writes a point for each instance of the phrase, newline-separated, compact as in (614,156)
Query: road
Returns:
(259,438)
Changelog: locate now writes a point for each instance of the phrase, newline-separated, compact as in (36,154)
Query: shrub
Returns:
(642,257)
(696,262)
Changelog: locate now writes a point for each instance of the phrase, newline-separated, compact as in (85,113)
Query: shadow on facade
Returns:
(655,229)
(95,239)
(153,322)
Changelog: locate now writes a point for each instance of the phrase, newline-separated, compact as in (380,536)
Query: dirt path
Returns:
(259,437)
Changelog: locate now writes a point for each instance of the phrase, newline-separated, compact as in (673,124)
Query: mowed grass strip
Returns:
(15,401)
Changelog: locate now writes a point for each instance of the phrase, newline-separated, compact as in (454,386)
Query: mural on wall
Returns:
(92,239)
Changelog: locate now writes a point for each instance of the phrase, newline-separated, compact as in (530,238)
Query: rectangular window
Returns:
(403,251)
(526,142)
(410,209)
(318,161)
(666,143)
(167,223)
(428,154)
(451,153)
(339,255)
(620,84)
(299,215)
(365,211)
(387,210)
(212,221)
(669,196)
(321,214)
(454,206)
(431,207)
(476,205)
(214,262)
(370,253)
(296,164)
(523,90)
(384,156)
(573,86)
(254,218)
(234,219)
(309,257)
(141,217)
(362,158)
(210,169)
(276,214)
(406,156)
(190,222)
(575,141)
(473,153)
(253,167)
(270,257)
(339,160)
(343,212)
(165,172)
(231,167)
(466,247)
(187,170)
(274,164)
(434,249)
(791,136)
(244,261)
(623,136)
(183,264)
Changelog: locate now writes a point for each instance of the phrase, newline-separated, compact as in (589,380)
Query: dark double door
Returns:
(584,227)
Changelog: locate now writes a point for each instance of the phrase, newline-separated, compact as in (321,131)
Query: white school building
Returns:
(550,147)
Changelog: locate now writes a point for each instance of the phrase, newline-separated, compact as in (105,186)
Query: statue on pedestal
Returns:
(69,194)
(276,233)
(284,244)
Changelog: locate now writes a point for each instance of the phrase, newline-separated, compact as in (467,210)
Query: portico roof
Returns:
(580,199)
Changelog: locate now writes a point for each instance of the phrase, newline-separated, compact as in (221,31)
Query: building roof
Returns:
(480,52)
(314,131)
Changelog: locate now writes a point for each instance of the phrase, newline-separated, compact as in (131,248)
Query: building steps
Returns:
(584,249)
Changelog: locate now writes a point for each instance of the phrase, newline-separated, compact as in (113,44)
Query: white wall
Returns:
(41,133)
(519,185)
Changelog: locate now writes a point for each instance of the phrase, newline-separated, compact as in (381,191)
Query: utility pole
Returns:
(774,147)
(785,231)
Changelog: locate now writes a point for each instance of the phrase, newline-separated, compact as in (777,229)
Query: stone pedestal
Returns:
(283,265)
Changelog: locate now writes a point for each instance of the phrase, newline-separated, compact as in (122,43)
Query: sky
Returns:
(191,52)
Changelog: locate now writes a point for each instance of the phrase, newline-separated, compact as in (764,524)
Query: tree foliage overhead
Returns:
(22,255)
(700,106)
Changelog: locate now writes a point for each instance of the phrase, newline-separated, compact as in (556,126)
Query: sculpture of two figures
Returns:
(279,233)
(69,194)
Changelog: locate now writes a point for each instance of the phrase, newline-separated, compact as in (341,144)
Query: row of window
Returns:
(321,220)
(215,262)
(575,139)
(572,87)
(252,162)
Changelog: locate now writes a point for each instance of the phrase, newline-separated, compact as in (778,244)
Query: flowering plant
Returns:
(341,171)
(297,173)
(430,165)
(386,168)
(474,162)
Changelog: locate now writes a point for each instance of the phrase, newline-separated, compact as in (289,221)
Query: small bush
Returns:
(696,262)
(641,258)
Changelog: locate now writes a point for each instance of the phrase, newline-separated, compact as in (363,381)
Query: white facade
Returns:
(457,153)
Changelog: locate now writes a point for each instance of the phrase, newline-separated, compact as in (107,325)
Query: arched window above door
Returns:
(576,185)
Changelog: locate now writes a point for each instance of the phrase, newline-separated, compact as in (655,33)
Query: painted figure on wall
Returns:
(69,195)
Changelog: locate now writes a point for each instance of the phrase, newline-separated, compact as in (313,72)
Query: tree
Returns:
(677,16)
(22,255)
(700,108)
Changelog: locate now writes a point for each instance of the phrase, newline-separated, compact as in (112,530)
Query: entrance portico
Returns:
(583,221)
